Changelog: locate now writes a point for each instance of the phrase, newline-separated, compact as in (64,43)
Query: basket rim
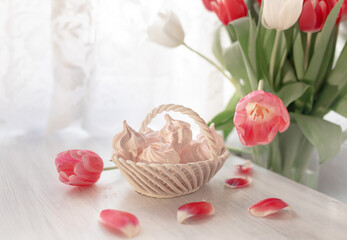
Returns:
(224,155)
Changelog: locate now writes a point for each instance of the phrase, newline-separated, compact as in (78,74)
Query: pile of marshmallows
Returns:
(172,144)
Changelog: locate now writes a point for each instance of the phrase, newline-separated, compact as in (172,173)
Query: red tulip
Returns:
(258,118)
(207,4)
(79,167)
(259,1)
(229,10)
(313,15)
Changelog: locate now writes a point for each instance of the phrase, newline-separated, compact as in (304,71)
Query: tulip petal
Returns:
(166,31)
(237,182)
(80,171)
(270,14)
(123,222)
(245,167)
(92,163)
(173,28)
(194,209)
(267,207)
(79,181)
(289,13)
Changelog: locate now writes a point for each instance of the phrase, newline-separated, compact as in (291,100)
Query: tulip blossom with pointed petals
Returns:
(229,10)
(79,167)
(281,14)
(166,30)
(313,16)
(237,182)
(267,207)
(258,117)
(194,209)
(122,222)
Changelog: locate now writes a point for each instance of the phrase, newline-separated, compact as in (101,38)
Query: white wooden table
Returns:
(35,205)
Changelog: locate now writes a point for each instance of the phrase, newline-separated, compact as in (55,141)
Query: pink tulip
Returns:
(258,118)
(79,167)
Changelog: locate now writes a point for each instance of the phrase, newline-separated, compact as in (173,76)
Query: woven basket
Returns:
(172,180)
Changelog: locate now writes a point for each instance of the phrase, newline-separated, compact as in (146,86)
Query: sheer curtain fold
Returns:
(73,46)
(87,63)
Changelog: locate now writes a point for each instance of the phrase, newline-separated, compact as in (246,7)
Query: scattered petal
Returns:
(237,182)
(124,222)
(194,209)
(246,167)
(267,207)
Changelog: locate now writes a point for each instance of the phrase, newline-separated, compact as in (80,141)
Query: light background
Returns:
(87,65)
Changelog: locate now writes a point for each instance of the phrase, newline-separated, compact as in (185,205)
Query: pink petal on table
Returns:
(237,182)
(80,171)
(123,222)
(245,167)
(198,209)
(267,207)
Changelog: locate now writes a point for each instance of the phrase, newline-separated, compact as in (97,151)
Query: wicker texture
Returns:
(172,180)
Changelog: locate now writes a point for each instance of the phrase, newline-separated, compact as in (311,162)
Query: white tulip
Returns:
(281,14)
(166,31)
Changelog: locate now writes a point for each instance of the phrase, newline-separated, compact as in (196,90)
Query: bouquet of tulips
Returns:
(281,59)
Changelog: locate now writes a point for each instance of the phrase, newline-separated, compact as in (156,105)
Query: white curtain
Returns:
(88,64)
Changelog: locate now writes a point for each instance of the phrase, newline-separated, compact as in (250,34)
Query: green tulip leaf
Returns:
(292,92)
(337,81)
(224,120)
(288,73)
(321,44)
(217,46)
(240,29)
(234,63)
(324,135)
(341,107)
(233,101)
(298,53)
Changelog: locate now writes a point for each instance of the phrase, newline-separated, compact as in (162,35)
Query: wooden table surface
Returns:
(35,205)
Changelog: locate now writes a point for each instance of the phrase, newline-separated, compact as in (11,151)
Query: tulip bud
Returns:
(313,15)
(79,167)
(166,31)
(229,10)
(281,14)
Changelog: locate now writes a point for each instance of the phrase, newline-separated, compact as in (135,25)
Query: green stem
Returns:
(273,55)
(213,64)
(307,50)
(239,150)
(110,168)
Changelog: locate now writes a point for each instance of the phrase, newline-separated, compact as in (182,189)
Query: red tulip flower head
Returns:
(313,15)
(207,4)
(79,167)
(258,118)
(229,10)
(259,2)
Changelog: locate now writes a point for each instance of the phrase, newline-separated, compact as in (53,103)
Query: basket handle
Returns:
(189,112)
